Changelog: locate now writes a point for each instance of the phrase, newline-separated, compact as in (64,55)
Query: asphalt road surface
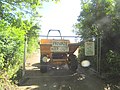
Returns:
(58,78)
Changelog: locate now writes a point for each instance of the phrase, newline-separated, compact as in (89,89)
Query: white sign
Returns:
(59,43)
(59,46)
(59,49)
(89,48)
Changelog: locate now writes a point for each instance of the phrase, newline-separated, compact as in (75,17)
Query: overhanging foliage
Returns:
(101,19)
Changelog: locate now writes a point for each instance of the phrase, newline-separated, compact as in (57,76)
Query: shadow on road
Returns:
(36,65)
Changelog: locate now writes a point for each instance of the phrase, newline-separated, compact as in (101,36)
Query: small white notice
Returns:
(89,48)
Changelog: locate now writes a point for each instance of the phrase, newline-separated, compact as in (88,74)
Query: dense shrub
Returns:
(113,63)
(11,50)
(12,41)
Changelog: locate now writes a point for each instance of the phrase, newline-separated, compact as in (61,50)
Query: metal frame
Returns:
(57,36)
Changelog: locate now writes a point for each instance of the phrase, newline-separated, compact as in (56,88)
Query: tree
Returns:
(17,19)
(101,19)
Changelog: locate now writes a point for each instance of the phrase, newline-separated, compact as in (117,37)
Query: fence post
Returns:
(98,54)
(25,51)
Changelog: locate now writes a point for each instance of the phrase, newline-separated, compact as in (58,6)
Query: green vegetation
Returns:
(11,50)
(17,20)
(100,19)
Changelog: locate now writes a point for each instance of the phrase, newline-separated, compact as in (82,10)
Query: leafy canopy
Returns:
(101,19)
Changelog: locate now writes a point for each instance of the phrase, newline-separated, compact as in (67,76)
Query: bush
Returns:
(6,84)
(12,46)
(113,62)
(11,52)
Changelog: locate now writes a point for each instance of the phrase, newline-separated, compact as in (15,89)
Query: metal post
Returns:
(97,54)
(25,51)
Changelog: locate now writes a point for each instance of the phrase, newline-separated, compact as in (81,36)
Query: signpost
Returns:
(90,51)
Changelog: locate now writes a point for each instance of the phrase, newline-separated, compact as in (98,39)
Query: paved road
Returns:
(58,78)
